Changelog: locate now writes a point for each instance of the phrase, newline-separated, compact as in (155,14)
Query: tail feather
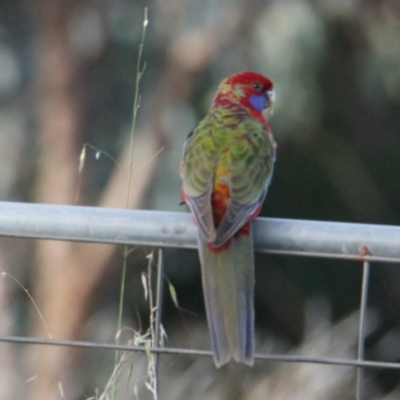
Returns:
(244,260)
(228,285)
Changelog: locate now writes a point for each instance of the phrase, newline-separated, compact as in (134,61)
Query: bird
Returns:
(226,169)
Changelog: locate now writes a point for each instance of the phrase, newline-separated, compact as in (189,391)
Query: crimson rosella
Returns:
(226,170)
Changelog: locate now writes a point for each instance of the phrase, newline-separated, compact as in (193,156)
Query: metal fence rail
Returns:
(362,242)
(168,229)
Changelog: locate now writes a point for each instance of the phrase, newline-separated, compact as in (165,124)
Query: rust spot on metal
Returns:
(363,251)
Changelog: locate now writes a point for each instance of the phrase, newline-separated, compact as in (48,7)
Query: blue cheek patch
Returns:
(258,101)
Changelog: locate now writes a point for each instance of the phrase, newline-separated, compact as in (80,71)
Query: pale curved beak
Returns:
(271,100)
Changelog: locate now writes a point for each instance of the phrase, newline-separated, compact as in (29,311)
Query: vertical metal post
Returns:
(159,306)
(361,330)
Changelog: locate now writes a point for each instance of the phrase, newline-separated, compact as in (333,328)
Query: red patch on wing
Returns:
(219,202)
(183,195)
(219,249)
(244,230)
(258,209)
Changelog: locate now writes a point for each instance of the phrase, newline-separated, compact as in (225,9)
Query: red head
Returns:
(249,89)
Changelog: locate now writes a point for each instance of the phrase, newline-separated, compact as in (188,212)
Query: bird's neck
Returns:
(236,110)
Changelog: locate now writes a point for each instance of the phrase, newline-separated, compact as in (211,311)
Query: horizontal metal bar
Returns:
(203,353)
(171,229)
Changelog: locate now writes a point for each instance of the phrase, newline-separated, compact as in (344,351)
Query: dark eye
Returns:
(257,86)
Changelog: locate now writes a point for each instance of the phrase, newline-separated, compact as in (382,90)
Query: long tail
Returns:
(228,286)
